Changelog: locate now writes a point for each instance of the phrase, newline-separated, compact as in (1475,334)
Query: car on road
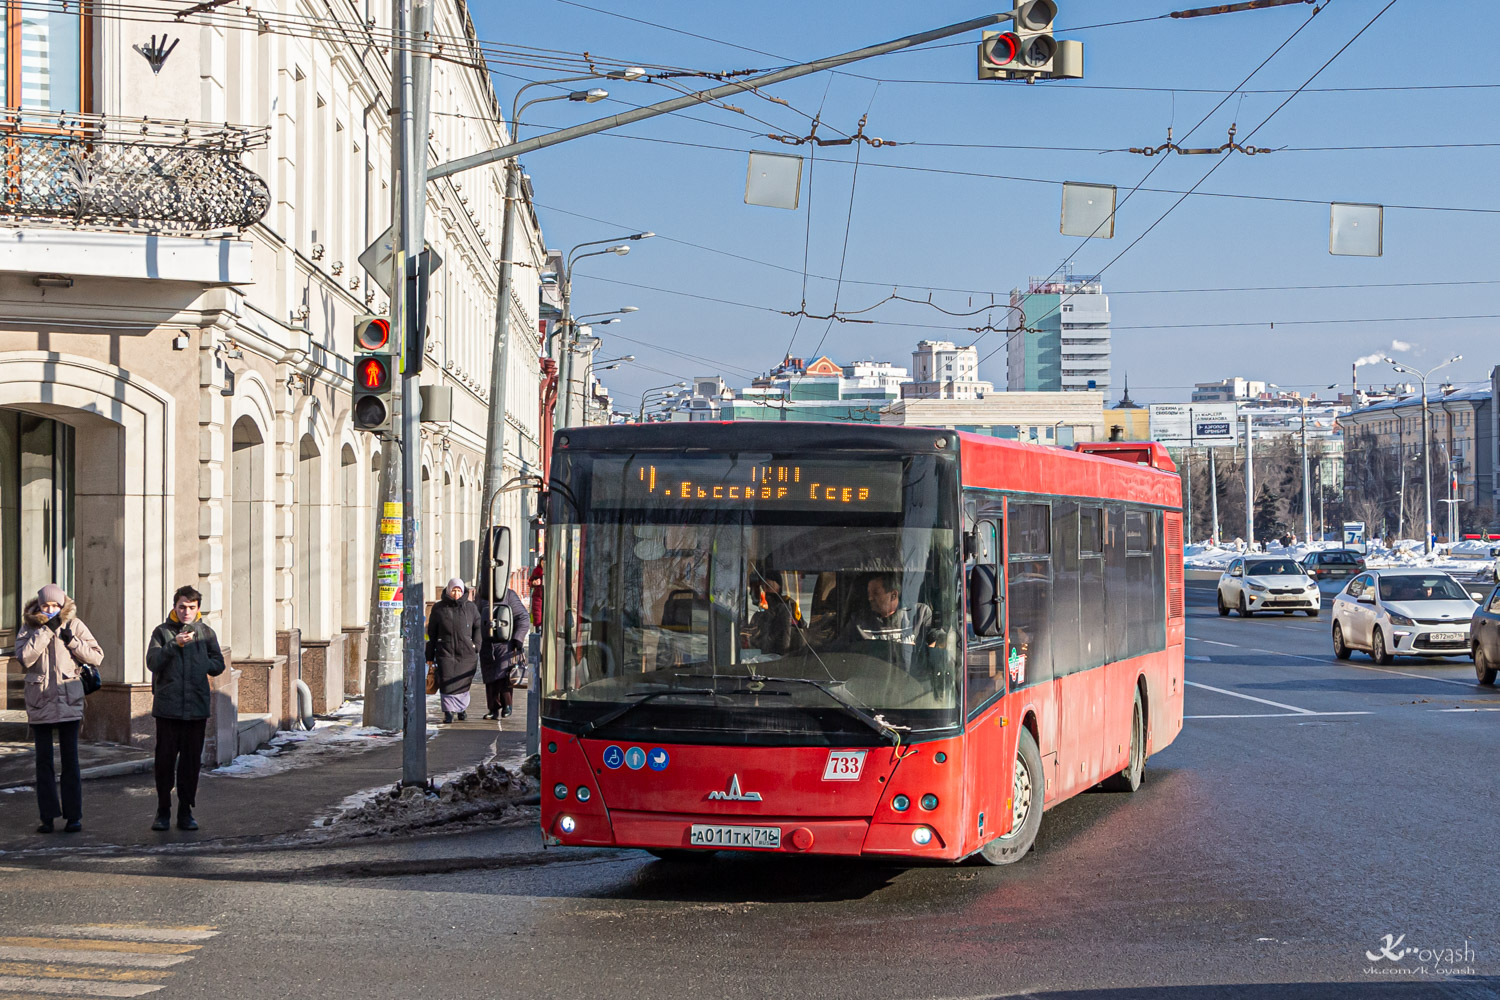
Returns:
(1334,564)
(1391,613)
(1484,638)
(1250,584)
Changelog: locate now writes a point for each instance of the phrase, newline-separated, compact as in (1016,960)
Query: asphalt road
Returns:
(1309,809)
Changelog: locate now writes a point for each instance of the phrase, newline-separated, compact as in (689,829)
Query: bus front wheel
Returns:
(1026,806)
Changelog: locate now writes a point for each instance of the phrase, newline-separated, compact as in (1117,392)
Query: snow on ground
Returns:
(485,793)
(1466,560)
(338,733)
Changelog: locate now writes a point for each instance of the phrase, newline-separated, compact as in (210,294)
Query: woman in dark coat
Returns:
(454,633)
(500,661)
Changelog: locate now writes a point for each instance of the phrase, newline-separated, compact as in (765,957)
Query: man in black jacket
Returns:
(184,653)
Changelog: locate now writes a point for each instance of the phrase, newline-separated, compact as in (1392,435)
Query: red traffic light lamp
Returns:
(372,333)
(374,373)
(374,385)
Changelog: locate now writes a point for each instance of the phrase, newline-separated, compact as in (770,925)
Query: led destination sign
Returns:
(725,482)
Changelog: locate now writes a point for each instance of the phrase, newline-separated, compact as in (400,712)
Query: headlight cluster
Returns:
(1399,619)
(1256,586)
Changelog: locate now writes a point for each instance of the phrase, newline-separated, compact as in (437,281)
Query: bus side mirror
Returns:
(503,625)
(499,562)
(984,600)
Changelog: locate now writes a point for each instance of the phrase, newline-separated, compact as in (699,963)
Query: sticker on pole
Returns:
(844,765)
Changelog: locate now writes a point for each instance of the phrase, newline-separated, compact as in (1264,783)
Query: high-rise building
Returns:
(1061,338)
(944,370)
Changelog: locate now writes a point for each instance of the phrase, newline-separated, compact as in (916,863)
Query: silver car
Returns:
(1391,613)
(1250,584)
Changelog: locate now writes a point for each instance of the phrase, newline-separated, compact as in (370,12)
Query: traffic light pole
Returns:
(712,94)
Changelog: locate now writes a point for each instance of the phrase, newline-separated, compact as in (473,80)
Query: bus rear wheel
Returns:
(1026,806)
(1129,779)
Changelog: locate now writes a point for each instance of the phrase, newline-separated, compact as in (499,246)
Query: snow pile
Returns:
(1465,559)
(484,793)
(340,732)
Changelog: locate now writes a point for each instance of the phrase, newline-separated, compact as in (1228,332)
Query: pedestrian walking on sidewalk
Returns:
(184,653)
(53,646)
(453,639)
(503,662)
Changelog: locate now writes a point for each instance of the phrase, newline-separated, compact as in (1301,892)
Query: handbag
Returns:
(432,679)
(89,675)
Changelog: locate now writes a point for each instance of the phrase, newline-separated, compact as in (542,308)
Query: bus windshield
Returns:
(754,598)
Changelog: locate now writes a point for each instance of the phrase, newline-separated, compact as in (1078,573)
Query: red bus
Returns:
(878,641)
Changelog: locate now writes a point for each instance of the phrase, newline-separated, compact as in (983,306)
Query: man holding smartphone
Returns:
(184,653)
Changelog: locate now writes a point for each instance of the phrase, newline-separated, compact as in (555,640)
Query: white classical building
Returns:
(176,310)
(943,370)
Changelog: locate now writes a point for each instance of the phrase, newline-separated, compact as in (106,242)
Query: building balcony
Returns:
(135,175)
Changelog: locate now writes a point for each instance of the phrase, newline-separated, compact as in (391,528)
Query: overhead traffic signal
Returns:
(374,373)
(1029,51)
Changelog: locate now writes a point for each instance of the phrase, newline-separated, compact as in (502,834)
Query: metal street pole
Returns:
(712,94)
(1213,495)
(1249,482)
(1306,496)
(413,91)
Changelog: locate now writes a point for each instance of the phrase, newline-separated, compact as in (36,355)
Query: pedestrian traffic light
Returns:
(374,378)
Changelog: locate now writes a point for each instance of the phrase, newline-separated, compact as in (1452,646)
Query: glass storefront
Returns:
(36,511)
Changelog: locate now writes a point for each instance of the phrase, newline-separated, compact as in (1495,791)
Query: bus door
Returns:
(990,747)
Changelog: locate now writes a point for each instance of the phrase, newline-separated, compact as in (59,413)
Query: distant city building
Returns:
(1063,340)
(1229,390)
(822,390)
(944,370)
(1057,418)
(1462,430)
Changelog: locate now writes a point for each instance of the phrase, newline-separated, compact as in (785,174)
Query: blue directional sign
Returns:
(613,757)
(658,759)
(635,758)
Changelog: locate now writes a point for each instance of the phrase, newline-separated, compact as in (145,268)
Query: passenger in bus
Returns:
(903,628)
(775,628)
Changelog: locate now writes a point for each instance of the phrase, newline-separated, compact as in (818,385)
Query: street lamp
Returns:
(641,416)
(1426,452)
(565,324)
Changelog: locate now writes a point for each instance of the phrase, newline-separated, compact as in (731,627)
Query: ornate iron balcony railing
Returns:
(99,171)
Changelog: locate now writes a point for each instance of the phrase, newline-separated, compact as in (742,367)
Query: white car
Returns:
(1250,584)
(1390,613)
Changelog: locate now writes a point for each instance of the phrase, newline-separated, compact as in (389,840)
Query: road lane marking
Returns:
(1199,659)
(1276,715)
(88,944)
(132,932)
(124,960)
(1260,701)
(1466,709)
(1421,677)
(1211,642)
(64,970)
(77,987)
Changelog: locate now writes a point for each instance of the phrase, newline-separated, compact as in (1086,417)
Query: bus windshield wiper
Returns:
(885,729)
(620,710)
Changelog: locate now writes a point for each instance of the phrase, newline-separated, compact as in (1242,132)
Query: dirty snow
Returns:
(485,793)
(338,733)
(1466,560)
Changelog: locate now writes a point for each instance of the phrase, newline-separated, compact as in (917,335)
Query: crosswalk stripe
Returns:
(28,988)
(56,970)
(132,932)
(16,953)
(95,944)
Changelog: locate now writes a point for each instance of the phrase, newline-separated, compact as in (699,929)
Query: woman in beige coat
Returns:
(51,645)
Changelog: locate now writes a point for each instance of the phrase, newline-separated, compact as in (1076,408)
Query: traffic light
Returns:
(1027,50)
(374,375)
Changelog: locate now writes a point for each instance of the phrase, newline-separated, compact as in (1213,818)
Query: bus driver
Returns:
(885,620)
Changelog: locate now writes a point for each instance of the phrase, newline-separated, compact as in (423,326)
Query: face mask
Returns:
(54,614)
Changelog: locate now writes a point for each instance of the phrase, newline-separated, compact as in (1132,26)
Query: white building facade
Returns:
(943,370)
(176,316)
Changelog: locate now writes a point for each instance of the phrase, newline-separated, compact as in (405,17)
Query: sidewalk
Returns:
(98,760)
(253,805)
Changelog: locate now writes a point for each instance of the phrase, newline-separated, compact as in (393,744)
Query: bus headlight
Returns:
(921,836)
(560,790)
(567,824)
(929,802)
(901,803)
(583,793)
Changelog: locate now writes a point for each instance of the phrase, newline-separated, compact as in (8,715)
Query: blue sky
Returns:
(952,229)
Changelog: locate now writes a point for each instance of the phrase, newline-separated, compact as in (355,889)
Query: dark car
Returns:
(1484,638)
(1334,564)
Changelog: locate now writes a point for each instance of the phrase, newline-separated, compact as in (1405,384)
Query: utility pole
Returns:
(1306,496)
(1213,497)
(1249,481)
(494,452)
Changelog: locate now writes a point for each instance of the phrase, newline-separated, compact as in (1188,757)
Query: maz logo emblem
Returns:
(734,794)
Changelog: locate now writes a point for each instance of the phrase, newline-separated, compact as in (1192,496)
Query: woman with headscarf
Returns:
(53,645)
(454,635)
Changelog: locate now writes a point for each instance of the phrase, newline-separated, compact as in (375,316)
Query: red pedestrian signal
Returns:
(1001,50)
(374,373)
(373,381)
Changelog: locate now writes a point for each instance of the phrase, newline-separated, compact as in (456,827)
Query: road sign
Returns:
(1354,535)
(1196,424)
(379,258)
